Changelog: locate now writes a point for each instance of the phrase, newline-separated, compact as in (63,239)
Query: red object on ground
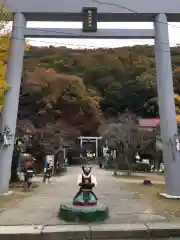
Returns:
(147,181)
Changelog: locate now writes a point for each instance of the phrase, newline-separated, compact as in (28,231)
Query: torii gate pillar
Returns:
(171,156)
(11,100)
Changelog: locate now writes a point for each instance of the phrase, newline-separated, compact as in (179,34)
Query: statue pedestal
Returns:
(71,213)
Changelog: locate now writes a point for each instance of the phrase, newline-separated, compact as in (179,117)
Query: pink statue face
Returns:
(86,169)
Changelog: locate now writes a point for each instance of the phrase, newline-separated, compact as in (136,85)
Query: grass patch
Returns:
(12,199)
(133,177)
(17,195)
(19,186)
(140,176)
(169,208)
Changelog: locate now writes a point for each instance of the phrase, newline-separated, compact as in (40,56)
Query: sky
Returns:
(174,35)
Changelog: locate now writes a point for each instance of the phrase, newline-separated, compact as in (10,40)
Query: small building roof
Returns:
(149,122)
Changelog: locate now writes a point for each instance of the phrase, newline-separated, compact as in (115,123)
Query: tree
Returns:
(61,91)
(5,16)
(177,102)
(151,107)
(176,76)
(130,94)
(122,135)
(54,97)
(4,46)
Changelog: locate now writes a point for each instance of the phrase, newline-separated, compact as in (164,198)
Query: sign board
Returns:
(89,19)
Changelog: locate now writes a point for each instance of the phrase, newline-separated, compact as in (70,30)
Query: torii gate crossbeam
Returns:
(159,12)
(100,34)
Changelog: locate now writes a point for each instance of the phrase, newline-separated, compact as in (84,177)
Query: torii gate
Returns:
(90,139)
(159,12)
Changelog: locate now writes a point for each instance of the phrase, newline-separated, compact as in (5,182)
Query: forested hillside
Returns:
(110,79)
(69,92)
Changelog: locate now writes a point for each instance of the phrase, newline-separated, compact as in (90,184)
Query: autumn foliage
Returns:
(76,89)
(4,48)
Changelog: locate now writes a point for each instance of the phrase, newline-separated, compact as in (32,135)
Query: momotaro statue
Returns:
(86,182)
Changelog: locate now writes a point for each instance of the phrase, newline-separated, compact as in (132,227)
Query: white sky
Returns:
(174,35)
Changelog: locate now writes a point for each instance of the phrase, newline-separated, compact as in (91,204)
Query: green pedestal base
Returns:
(71,213)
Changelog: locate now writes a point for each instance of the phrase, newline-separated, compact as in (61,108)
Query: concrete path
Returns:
(42,208)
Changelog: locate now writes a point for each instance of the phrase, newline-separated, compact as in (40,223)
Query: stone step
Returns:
(96,232)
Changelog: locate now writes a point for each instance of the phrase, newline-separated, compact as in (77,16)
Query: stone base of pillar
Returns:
(7,194)
(167,196)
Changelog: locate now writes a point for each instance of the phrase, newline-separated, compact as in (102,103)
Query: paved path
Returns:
(42,208)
